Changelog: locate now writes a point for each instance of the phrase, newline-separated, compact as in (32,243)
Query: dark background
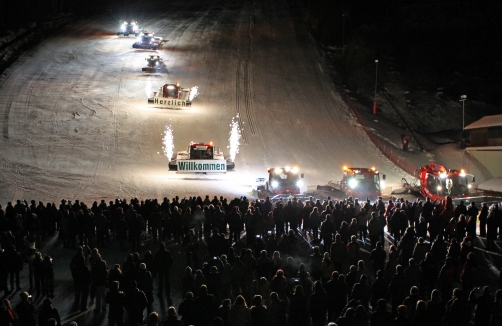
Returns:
(453,45)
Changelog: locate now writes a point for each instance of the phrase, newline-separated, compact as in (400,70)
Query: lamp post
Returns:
(376,76)
(376,80)
(462,99)
(343,30)
(463,140)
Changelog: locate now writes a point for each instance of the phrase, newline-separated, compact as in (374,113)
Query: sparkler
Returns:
(148,88)
(168,142)
(194,91)
(235,136)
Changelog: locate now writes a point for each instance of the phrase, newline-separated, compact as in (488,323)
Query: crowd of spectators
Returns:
(290,262)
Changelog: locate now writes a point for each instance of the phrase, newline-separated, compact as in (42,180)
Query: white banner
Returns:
(168,102)
(191,166)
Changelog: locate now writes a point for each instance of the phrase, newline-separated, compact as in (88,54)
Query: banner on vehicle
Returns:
(168,102)
(191,166)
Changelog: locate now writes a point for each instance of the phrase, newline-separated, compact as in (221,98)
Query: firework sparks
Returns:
(148,88)
(194,91)
(168,142)
(235,136)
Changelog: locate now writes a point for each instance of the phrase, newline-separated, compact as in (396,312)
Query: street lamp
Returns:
(462,99)
(343,30)
(376,76)
(376,79)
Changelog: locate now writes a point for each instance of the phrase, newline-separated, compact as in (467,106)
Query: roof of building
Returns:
(486,122)
(494,185)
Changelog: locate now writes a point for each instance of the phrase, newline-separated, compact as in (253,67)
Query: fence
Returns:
(388,150)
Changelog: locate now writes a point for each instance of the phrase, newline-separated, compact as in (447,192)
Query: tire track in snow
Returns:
(21,176)
(6,100)
(248,82)
(244,83)
(238,85)
(6,116)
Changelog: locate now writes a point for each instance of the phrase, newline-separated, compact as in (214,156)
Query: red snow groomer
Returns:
(436,182)
(362,183)
(284,181)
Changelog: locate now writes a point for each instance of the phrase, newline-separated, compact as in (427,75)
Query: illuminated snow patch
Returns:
(168,142)
(235,136)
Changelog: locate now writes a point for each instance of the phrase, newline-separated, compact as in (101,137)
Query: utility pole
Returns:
(343,31)
(376,81)
(463,98)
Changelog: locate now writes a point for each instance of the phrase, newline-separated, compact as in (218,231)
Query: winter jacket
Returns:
(338,251)
(239,315)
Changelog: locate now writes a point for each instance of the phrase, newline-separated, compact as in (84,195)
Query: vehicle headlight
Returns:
(439,188)
(299,183)
(382,184)
(352,183)
(275,183)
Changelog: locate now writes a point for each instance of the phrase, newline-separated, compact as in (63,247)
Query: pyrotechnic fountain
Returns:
(148,88)
(168,142)
(235,136)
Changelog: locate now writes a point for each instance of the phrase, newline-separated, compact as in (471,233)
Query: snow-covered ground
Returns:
(76,123)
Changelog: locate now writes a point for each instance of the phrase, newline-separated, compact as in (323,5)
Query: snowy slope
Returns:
(76,124)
